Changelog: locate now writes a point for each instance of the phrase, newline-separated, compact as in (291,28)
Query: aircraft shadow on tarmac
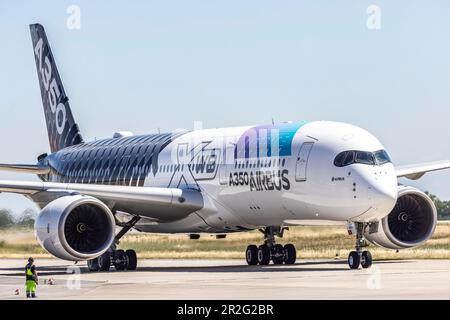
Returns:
(45,271)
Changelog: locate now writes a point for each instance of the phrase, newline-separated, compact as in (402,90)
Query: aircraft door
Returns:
(302,161)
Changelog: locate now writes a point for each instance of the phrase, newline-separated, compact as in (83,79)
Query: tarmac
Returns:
(232,279)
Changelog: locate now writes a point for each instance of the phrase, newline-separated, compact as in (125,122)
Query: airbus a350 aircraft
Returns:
(265,177)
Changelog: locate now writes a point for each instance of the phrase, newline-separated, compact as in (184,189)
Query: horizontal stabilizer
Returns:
(25,168)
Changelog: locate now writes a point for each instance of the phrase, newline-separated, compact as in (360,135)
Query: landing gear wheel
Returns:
(93,264)
(104,261)
(132,259)
(290,254)
(354,260)
(366,259)
(120,260)
(263,255)
(251,255)
(278,254)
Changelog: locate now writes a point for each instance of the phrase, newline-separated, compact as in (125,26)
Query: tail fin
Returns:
(61,127)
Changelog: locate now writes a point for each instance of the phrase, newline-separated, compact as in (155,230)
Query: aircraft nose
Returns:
(383,194)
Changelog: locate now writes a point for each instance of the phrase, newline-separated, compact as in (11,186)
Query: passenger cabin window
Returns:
(349,157)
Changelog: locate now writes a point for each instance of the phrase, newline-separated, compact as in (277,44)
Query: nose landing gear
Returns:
(271,251)
(359,257)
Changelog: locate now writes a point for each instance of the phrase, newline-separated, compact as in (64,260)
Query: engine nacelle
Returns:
(75,228)
(409,224)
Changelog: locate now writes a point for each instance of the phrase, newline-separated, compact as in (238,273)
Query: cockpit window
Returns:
(346,158)
(349,157)
(364,157)
(381,157)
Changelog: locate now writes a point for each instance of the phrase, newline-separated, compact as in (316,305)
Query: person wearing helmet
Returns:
(31,278)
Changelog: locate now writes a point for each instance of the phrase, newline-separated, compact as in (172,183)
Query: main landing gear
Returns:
(359,257)
(120,259)
(270,250)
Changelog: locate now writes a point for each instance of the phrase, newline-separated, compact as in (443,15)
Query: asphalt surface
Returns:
(232,279)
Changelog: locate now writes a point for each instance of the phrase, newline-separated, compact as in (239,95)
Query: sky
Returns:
(162,65)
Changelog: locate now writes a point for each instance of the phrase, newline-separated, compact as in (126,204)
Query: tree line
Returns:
(442,207)
(27,217)
(24,220)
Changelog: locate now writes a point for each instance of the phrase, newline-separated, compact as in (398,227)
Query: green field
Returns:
(311,243)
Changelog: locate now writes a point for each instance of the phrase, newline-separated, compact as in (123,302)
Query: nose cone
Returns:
(380,185)
(383,195)
(383,190)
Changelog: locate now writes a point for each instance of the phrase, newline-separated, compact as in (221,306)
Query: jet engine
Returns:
(409,224)
(75,227)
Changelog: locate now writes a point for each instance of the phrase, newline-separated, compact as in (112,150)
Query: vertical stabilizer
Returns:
(61,127)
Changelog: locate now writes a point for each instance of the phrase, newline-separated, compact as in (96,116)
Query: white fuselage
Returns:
(274,175)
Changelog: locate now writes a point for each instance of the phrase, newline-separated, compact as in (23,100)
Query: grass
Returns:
(19,243)
(311,243)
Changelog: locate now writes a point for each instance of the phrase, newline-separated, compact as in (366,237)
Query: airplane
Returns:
(214,181)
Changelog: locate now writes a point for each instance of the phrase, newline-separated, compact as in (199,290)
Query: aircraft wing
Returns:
(416,171)
(152,202)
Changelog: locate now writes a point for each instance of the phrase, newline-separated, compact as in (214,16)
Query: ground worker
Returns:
(31,278)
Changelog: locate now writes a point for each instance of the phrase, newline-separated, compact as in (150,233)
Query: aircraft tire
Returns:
(251,255)
(93,265)
(366,259)
(354,260)
(290,254)
(120,260)
(104,261)
(278,254)
(263,255)
(132,259)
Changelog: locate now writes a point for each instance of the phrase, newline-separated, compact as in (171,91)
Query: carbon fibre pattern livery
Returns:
(122,161)
(61,126)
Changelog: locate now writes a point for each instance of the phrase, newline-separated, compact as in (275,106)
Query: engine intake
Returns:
(75,228)
(410,223)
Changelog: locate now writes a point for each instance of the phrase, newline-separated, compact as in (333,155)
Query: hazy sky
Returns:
(167,64)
